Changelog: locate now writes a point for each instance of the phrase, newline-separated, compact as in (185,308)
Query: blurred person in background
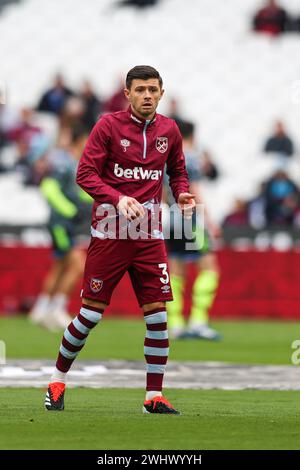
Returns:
(209,169)
(53,100)
(138,3)
(33,159)
(175,113)
(2,134)
(279,143)
(276,204)
(256,208)
(281,199)
(24,128)
(72,114)
(208,271)
(17,138)
(2,139)
(238,217)
(117,101)
(69,207)
(271,19)
(92,105)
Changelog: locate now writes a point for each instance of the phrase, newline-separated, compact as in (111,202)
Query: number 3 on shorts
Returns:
(165,273)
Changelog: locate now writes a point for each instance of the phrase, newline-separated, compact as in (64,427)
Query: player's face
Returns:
(144,96)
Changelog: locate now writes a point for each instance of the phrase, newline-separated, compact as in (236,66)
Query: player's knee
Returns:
(153,305)
(94,303)
(210,263)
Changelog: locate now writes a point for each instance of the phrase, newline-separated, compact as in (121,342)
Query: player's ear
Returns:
(126,93)
(161,93)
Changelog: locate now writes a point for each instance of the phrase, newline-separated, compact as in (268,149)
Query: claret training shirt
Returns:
(126,156)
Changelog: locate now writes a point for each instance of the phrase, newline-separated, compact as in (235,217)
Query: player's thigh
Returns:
(149,272)
(106,263)
(209,261)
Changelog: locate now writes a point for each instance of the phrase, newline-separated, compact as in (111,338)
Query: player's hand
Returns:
(187,204)
(130,208)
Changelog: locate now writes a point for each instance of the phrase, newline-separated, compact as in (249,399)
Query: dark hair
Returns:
(142,72)
(186,129)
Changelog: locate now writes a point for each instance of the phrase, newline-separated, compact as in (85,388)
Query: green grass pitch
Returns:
(112,419)
(244,342)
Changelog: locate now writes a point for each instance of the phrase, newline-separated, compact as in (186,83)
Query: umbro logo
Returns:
(125,143)
(166,289)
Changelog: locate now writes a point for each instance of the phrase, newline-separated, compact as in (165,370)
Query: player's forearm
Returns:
(93,161)
(176,170)
(179,184)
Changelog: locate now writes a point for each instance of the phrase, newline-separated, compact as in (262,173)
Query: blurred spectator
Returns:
(9,118)
(295,24)
(34,162)
(138,3)
(208,168)
(201,160)
(93,105)
(21,162)
(238,217)
(280,143)
(174,113)
(271,19)
(24,129)
(297,218)
(2,138)
(53,100)
(72,115)
(192,158)
(17,137)
(278,203)
(282,199)
(257,209)
(117,102)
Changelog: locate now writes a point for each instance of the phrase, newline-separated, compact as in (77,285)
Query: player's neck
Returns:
(141,117)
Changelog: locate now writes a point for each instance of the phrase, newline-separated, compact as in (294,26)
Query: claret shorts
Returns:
(145,260)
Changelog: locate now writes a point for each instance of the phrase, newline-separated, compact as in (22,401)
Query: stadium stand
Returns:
(230,81)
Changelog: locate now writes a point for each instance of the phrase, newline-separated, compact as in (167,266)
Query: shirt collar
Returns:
(139,120)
